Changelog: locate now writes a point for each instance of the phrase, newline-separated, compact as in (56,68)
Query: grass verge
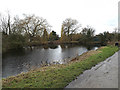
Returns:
(58,76)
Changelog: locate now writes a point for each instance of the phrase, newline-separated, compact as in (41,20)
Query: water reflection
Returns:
(52,46)
(15,62)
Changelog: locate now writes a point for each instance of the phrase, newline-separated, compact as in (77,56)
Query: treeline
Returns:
(70,32)
(33,30)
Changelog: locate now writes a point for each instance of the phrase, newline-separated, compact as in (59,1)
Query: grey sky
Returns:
(100,14)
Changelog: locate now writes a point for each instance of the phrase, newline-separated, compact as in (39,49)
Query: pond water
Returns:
(17,61)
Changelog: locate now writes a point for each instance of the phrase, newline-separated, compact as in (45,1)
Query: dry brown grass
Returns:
(85,55)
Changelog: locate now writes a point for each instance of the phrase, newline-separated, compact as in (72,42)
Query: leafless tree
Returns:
(6,24)
(16,26)
(70,26)
(9,23)
(33,25)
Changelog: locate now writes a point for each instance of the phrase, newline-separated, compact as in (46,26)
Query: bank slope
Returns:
(59,76)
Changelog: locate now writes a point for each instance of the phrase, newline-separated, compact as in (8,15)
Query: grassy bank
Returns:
(58,76)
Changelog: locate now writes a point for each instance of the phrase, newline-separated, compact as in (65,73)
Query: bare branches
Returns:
(33,26)
(70,26)
(6,24)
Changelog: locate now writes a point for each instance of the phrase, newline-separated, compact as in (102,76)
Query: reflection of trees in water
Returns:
(14,52)
(62,46)
(45,47)
(52,46)
(68,45)
(72,45)
(32,48)
(89,47)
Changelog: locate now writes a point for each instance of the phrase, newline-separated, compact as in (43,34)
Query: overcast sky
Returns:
(102,15)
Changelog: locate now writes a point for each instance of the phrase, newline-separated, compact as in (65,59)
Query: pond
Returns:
(17,61)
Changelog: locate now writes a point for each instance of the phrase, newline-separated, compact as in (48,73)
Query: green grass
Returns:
(57,76)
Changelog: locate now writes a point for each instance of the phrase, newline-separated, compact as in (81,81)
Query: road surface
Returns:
(103,75)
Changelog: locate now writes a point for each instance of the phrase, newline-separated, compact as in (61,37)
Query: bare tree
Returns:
(70,26)
(9,23)
(33,25)
(87,35)
(6,24)
(16,26)
(88,31)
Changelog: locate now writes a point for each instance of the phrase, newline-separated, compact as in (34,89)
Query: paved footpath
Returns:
(103,75)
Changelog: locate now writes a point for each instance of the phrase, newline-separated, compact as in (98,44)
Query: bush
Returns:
(13,41)
(16,41)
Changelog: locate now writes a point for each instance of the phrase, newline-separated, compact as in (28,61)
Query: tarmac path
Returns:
(103,75)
